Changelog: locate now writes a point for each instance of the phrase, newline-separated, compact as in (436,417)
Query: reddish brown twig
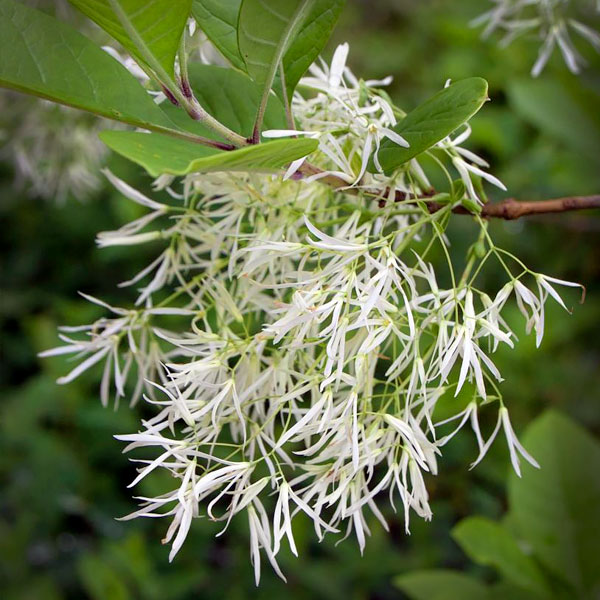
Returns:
(511,209)
(508,209)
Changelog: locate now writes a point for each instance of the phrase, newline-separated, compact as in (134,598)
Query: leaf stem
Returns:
(184,80)
(286,101)
(194,109)
(260,115)
(190,137)
(282,46)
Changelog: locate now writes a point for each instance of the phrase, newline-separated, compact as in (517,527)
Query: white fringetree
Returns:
(294,334)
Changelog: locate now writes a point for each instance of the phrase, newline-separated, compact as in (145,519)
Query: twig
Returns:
(508,209)
(511,209)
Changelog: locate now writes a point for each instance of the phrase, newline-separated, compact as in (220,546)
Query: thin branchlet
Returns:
(509,209)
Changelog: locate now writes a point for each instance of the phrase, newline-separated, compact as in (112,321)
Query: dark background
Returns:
(63,475)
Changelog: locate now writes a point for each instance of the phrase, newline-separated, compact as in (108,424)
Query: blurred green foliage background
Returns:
(63,475)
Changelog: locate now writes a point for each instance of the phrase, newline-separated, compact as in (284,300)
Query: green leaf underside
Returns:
(265,31)
(310,40)
(489,543)
(47,58)
(160,154)
(441,584)
(557,508)
(158,23)
(433,120)
(230,97)
(218,19)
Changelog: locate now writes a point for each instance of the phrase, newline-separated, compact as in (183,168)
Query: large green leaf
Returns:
(441,584)
(557,508)
(160,154)
(100,580)
(489,543)
(266,28)
(218,19)
(434,120)
(149,29)
(46,58)
(230,97)
(310,40)
(504,590)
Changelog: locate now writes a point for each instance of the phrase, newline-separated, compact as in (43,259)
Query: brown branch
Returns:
(511,209)
(508,209)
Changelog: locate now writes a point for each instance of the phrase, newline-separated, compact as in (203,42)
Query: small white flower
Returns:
(514,446)
(544,287)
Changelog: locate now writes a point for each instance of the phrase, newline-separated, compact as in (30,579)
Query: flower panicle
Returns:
(297,347)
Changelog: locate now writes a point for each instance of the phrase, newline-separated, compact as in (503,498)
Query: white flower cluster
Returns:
(551,20)
(294,343)
(351,118)
(55,150)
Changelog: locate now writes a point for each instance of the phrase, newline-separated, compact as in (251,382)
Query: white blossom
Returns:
(551,20)
(295,343)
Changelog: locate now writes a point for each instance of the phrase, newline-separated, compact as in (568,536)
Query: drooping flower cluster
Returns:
(55,150)
(296,340)
(552,20)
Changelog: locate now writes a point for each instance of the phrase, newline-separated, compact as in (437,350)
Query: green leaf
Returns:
(434,120)
(503,590)
(266,28)
(230,97)
(557,508)
(100,579)
(441,584)
(160,154)
(218,19)
(310,40)
(149,29)
(567,113)
(489,543)
(46,58)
